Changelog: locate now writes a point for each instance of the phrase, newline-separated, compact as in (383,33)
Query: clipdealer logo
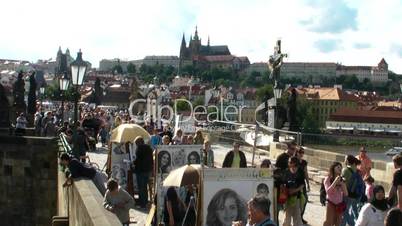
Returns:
(199,113)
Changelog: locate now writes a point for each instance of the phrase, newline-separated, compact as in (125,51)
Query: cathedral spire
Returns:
(196,33)
(208,41)
(183,41)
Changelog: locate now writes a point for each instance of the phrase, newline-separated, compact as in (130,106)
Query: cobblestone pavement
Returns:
(315,213)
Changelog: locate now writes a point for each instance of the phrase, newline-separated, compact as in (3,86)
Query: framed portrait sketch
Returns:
(169,158)
(226,192)
(120,163)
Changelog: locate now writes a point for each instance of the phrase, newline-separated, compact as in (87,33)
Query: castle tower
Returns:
(383,66)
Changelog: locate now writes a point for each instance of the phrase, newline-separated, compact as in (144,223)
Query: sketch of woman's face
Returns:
(192,159)
(179,158)
(165,159)
(227,213)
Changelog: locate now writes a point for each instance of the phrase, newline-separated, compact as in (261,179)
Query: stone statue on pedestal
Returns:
(292,110)
(19,94)
(275,63)
(4,109)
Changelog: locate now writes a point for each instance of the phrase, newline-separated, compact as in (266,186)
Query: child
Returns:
(369,180)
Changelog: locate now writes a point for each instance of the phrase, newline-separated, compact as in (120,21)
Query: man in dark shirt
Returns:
(80,170)
(235,158)
(396,188)
(282,159)
(143,168)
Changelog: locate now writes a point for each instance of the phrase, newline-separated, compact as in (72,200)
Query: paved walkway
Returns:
(315,213)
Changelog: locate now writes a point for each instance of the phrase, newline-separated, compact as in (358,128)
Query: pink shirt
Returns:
(334,194)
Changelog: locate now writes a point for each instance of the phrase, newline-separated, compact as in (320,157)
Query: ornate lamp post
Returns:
(78,70)
(275,63)
(42,94)
(64,82)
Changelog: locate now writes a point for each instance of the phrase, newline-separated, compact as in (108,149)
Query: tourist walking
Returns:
(155,139)
(365,163)
(336,190)
(235,158)
(395,193)
(374,212)
(295,201)
(208,155)
(143,166)
(356,190)
(303,169)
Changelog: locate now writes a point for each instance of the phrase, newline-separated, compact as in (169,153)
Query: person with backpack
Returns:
(335,191)
(356,190)
(374,212)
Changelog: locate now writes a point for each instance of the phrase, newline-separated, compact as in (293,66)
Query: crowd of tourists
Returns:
(349,192)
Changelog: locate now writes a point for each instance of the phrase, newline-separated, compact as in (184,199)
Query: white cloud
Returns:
(133,29)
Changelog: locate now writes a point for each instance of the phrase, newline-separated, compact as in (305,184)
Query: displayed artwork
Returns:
(226,192)
(120,163)
(171,157)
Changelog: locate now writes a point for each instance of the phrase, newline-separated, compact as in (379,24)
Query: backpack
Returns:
(323,194)
(356,187)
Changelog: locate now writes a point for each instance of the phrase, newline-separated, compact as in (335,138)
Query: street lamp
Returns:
(42,93)
(277,96)
(64,82)
(78,70)
(190,84)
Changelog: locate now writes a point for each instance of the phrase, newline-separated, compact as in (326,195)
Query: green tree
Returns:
(351,82)
(306,118)
(310,122)
(266,91)
(197,102)
(131,68)
(182,105)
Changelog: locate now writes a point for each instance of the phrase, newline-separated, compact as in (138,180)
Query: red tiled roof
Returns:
(326,94)
(367,116)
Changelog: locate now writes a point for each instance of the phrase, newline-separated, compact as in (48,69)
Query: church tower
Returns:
(183,47)
(195,44)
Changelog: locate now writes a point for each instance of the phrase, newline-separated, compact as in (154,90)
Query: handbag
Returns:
(283,195)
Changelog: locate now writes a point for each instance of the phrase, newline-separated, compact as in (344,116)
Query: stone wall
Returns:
(382,171)
(82,203)
(28,180)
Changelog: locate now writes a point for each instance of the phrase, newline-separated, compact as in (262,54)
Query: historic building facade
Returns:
(206,56)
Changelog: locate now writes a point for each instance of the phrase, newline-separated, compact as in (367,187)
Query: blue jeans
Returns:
(142,182)
(351,213)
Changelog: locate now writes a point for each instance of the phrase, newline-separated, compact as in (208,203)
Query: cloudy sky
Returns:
(351,32)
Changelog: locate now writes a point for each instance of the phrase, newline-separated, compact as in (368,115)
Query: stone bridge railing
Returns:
(80,203)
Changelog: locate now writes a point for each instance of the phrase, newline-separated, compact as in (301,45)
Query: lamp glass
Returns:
(64,82)
(78,70)
(277,93)
(42,90)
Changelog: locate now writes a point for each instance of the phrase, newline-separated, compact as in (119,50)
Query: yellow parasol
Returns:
(185,175)
(128,132)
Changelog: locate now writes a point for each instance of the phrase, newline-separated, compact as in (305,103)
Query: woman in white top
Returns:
(178,139)
(21,125)
(374,212)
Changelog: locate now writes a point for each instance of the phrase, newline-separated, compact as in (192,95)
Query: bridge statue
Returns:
(275,63)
